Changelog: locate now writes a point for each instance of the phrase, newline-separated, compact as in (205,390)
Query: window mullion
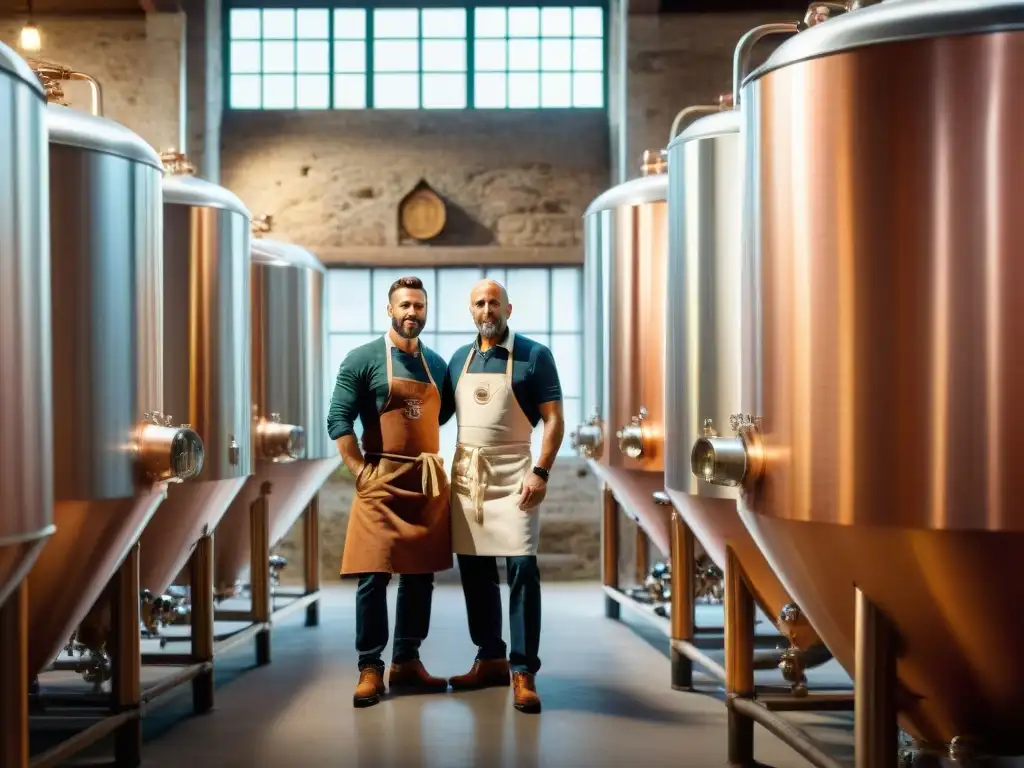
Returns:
(370,36)
(330,59)
(470,58)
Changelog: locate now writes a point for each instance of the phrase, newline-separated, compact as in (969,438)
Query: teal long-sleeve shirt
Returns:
(361,387)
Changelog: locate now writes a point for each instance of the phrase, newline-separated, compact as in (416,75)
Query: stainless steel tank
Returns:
(26,415)
(206,238)
(114,450)
(885,233)
(290,443)
(626,251)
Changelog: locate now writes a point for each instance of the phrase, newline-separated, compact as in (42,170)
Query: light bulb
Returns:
(30,40)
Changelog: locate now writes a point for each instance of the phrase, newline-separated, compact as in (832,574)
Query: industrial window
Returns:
(415,58)
(548,307)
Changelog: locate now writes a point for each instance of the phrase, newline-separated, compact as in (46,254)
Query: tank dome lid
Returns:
(894,21)
(646,189)
(12,64)
(717,124)
(274,253)
(197,193)
(71,128)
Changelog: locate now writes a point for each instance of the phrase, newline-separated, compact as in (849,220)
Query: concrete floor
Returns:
(605,690)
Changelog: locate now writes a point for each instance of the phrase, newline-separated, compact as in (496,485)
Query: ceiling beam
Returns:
(160,6)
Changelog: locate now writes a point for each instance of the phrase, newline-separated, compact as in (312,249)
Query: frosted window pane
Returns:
(245,24)
(312,91)
(382,280)
(453,299)
(311,24)
(490,22)
(279,92)
(279,57)
(587,22)
(528,294)
(444,22)
(447,343)
(349,24)
(588,55)
(313,57)
(278,24)
(573,412)
(245,57)
(588,90)
(496,273)
(566,349)
(340,345)
(556,22)
(490,56)
(350,56)
(568,306)
(396,56)
(348,300)
(555,55)
(396,91)
(444,55)
(490,92)
(524,90)
(523,22)
(350,91)
(523,55)
(245,91)
(556,90)
(396,23)
(444,91)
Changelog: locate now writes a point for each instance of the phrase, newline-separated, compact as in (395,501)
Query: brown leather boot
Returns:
(370,687)
(524,693)
(486,673)
(412,677)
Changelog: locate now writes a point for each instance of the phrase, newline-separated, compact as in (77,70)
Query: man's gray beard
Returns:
(491,330)
(399,326)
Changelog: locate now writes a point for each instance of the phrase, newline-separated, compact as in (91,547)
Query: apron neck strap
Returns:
(509,344)
(389,345)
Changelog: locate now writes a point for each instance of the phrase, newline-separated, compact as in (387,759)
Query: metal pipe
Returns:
(693,654)
(259,570)
(311,536)
(59,754)
(610,550)
(175,679)
(126,682)
(739,657)
(201,589)
(94,87)
(746,44)
(642,556)
(682,600)
(14,678)
(794,737)
(875,734)
(725,101)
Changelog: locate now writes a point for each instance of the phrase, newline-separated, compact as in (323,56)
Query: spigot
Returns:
(166,452)
(631,436)
(279,442)
(588,438)
(729,461)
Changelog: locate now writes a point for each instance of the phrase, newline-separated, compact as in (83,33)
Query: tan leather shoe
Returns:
(486,673)
(524,693)
(370,687)
(412,677)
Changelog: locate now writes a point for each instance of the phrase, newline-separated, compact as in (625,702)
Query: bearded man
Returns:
(501,386)
(399,522)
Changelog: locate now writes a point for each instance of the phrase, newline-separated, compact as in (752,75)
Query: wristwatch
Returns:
(543,473)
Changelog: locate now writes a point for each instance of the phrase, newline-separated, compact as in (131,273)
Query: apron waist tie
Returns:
(432,468)
(475,471)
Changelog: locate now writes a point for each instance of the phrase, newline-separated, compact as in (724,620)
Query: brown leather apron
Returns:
(400,520)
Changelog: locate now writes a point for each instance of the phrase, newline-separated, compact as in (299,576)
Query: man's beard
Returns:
(407,333)
(491,330)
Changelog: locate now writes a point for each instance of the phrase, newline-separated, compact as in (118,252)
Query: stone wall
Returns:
(137,59)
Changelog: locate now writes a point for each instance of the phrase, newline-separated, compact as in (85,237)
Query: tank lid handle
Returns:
(176,163)
(51,75)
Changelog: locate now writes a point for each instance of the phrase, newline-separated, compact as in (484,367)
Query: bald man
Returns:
(500,387)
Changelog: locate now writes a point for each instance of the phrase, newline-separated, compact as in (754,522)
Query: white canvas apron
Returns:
(492,458)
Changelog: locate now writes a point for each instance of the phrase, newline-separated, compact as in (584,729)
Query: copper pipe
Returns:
(94,87)
(741,55)
(311,537)
(201,594)
(687,112)
(14,679)
(643,556)
(126,682)
(610,549)
(683,576)
(875,735)
(259,570)
(739,657)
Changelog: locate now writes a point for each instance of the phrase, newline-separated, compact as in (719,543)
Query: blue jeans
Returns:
(412,618)
(483,607)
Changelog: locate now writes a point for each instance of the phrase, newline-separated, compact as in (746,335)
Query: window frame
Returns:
(368,74)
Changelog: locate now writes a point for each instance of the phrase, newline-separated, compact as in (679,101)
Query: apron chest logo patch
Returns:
(413,408)
(482,394)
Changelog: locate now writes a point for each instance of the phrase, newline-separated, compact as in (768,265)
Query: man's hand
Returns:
(535,488)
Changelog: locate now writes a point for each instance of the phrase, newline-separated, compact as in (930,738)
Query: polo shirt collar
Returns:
(505,343)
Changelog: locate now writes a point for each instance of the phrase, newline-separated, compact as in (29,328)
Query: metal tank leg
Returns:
(643,556)
(259,571)
(739,659)
(610,551)
(201,567)
(682,601)
(876,735)
(126,682)
(311,531)
(14,679)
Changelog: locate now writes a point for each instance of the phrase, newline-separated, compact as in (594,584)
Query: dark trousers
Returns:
(412,617)
(483,606)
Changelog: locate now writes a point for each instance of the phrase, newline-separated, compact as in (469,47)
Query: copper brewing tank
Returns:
(289,422)
(206,360)
(626,250)
(886,237)
(703,348)
(26,416)
(114,450)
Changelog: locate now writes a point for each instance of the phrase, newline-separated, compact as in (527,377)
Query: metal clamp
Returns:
(588,438)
